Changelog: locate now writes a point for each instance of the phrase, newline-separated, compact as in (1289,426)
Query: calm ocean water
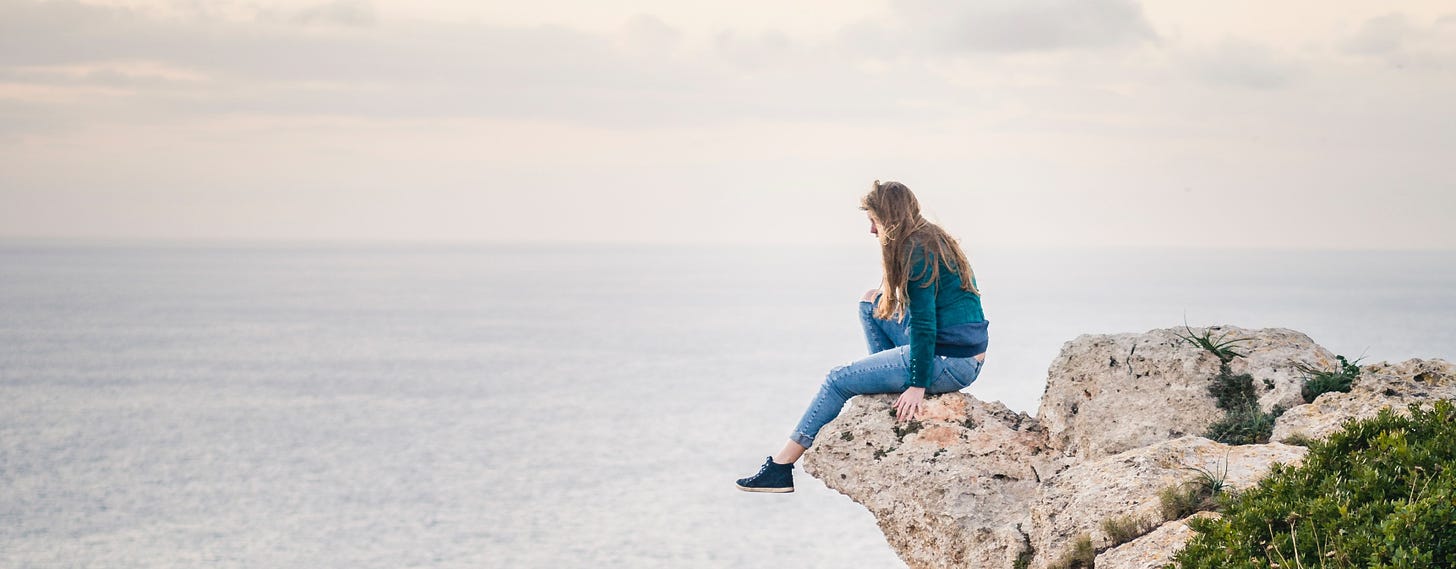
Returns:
(533,406)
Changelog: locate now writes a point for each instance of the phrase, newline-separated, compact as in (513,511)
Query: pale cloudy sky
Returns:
(1019,123)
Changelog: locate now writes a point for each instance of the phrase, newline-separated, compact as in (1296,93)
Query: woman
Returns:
(940,347)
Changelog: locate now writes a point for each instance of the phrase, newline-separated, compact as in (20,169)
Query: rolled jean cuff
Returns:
(804,440)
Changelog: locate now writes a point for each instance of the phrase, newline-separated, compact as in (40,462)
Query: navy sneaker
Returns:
(771,477)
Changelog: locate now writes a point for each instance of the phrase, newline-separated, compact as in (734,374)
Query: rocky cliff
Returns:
(973,484)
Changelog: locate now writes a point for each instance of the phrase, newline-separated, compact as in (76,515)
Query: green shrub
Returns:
(1244,423)
(1318,382)
(1233,392)
(1379,493)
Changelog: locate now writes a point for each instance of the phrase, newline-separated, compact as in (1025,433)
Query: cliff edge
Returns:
(973,484)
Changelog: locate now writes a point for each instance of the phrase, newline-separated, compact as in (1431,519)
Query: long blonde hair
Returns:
(901,229)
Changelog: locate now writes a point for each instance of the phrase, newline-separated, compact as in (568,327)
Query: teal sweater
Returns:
(944,320)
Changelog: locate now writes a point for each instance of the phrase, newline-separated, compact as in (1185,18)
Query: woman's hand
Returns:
(907,407)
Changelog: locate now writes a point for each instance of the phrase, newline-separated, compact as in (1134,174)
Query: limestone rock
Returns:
(949,490)
(973,484)
(1380,385)
(1154,550)
(1080,498)
(1107,393)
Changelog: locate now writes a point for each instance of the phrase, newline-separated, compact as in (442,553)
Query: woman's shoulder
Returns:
(920,258)
(918,250)
(917,257)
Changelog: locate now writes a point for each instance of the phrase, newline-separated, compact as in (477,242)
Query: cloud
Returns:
(1398,41)
(338,12)
(1383,35)
(648,33)
(638,76)
(245,59)
(1005,26)
(1240,63)
(395,70)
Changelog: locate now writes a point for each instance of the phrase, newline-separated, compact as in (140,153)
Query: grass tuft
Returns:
(1081,556)
(1298,439)
(1247,426)
(1194,495)
(1122,529)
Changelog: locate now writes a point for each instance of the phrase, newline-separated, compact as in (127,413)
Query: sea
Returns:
(352,406)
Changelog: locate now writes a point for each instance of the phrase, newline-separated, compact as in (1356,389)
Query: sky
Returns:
(1018,123)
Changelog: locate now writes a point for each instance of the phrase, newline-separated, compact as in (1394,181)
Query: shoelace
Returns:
(763,469)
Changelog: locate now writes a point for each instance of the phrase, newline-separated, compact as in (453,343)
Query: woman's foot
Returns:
(772,477)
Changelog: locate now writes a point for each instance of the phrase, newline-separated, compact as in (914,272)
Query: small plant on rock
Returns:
(1212,482)
(1318,382)
(1221,346)
(1244,422)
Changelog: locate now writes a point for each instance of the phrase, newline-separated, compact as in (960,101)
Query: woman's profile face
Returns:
(874,229)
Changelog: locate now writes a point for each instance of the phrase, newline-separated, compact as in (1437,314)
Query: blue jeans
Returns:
(885,370)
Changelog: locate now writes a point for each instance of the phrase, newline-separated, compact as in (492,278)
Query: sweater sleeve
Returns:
(921,306)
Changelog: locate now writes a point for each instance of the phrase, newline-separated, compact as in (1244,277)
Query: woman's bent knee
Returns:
(836,382)
(832,378)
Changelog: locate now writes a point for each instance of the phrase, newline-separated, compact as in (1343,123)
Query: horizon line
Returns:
(203,242)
